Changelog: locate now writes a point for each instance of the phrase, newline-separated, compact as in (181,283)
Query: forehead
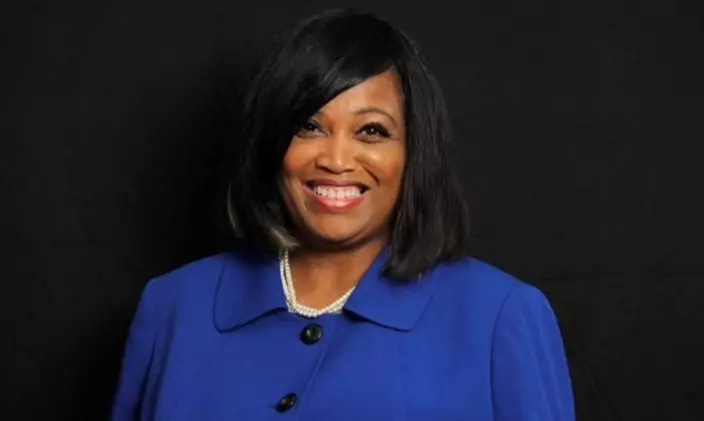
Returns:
(382,91)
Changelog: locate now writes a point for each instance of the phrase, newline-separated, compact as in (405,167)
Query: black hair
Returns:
(323,56)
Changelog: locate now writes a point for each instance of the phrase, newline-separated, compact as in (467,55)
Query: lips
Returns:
(335,192)
(315,182)
(336,196)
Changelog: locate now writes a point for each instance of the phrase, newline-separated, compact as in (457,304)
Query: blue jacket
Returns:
(212,341)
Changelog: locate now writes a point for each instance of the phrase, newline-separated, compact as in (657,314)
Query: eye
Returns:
(309,128)
(374,130)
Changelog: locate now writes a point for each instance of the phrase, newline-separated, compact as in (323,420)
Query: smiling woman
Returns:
(352,295)
(342,171)
(347,87)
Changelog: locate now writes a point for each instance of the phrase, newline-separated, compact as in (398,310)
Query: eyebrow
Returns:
(375,110)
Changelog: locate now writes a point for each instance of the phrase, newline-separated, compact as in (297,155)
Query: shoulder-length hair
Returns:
(322,57)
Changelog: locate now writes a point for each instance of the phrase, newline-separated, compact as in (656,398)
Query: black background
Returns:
(579,134)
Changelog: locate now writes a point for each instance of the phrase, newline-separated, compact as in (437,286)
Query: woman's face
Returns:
(343,170)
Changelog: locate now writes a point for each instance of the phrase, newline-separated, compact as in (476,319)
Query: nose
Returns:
(337,155)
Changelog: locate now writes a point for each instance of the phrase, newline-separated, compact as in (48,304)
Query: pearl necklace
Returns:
(293,305)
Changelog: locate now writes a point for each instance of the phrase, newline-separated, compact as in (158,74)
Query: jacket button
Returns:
(311,333)
(286,403)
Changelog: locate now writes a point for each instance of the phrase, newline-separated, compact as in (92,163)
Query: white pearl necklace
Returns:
(293,305)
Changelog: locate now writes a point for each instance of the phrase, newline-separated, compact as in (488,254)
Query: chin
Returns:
(335,236)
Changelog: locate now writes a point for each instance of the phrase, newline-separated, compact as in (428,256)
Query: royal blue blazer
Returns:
(213,341)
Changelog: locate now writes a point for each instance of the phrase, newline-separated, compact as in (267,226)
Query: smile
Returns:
(336,199)
(330,192)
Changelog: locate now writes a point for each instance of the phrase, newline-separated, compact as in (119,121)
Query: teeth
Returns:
(338,192)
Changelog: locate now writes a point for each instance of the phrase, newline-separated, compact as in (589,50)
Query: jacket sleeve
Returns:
(530,377)
(138,354)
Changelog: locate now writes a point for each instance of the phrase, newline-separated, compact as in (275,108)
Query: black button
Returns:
(286,402)
(311,333)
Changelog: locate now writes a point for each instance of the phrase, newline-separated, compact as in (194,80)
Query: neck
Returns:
(321,276)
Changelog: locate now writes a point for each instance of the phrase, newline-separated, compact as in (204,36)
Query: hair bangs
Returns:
(331,56)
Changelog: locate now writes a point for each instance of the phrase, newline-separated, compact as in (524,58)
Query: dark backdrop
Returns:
(579,135)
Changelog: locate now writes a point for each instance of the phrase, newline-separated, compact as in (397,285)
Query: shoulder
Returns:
(195,282)
(198,272)
(474,284)
(511,306)
(471,275)
(191,275)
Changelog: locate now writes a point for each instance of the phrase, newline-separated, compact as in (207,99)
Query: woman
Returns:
(352,296)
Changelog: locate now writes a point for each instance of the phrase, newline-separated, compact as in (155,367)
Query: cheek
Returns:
(294,159)
(299,157)
(387,165)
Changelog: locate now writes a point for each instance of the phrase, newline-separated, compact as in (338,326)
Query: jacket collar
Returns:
(250,287)
(393,303)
